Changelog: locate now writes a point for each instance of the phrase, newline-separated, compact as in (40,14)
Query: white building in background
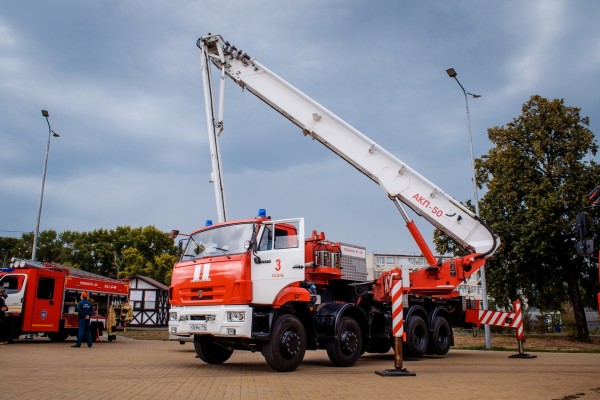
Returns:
(378,262)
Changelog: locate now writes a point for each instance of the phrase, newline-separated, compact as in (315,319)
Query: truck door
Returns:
(280,261)
(14,284)
(43,302)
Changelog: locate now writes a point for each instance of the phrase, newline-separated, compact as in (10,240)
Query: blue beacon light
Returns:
(262,213)
(208,222)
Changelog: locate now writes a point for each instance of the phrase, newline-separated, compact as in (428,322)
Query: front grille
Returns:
(215,293)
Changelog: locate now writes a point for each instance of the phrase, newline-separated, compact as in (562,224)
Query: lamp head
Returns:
(45,113)
(451,72)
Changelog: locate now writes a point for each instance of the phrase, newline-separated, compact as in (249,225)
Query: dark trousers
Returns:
(4,330)
(84,332)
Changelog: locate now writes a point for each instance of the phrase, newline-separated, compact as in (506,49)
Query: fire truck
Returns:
(42,298)
(270,285)
(585,245)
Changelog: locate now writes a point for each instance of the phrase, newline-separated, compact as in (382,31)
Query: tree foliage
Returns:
(115,253)
(537,176)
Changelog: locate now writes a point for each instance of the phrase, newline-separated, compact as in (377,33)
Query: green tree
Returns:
(48,246)
(133,263)
(7,248)
(163,267)
(537,177)
(152,248)
(119,252)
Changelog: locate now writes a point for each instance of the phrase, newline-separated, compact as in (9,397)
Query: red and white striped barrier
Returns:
(512,320)
(397,309)
(499,318)
(394,282)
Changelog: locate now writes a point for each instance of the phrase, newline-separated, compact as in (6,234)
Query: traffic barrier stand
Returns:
(398,329)
(520,333)
(504,319)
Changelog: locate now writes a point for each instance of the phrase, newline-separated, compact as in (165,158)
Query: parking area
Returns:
(152,369)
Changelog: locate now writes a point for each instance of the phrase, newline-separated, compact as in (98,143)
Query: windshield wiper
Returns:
(224,251)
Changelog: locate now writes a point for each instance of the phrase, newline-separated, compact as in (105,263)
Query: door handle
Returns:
(298,267)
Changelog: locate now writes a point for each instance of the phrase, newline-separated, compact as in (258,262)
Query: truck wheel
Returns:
(285,351)
(59,336)
(346,348)
(209,351)
(417,337)
(441,336)
(381,346)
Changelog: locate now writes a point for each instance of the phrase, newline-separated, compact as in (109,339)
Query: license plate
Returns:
(198,327)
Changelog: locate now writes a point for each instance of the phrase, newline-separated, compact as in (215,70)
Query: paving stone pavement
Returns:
(150,369)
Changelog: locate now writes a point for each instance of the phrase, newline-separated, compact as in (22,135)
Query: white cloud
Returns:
(542,26)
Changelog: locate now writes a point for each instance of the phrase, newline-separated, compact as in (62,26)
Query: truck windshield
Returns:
(220,240)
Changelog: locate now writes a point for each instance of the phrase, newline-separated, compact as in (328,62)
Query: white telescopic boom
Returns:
(396,178)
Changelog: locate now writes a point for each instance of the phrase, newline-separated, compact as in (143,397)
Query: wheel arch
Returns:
(420,311)
(329,316)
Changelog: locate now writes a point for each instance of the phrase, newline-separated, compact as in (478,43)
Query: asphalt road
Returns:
(150,369)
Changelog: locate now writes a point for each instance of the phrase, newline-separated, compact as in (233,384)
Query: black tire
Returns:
(59,336)
(441,337)
(381,346)
(210,351)
(347,346)
(285,351)
(417,337)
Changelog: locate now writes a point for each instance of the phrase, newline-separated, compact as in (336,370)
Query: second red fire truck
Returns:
(42,298)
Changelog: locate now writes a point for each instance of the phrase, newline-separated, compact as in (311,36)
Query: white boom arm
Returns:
(397,179)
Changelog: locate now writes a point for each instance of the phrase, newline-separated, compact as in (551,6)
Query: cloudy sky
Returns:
(122,83)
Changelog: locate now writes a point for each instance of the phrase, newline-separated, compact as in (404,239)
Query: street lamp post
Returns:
(452,74)
(51,133)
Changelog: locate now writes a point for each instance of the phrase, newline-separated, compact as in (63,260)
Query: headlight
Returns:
(173,316)
(236,316)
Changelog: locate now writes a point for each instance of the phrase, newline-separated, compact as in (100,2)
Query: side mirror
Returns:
(585,247)
(174,233)
(180,248)
(582,225)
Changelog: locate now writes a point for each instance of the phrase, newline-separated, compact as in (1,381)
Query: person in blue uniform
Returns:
(84,311)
